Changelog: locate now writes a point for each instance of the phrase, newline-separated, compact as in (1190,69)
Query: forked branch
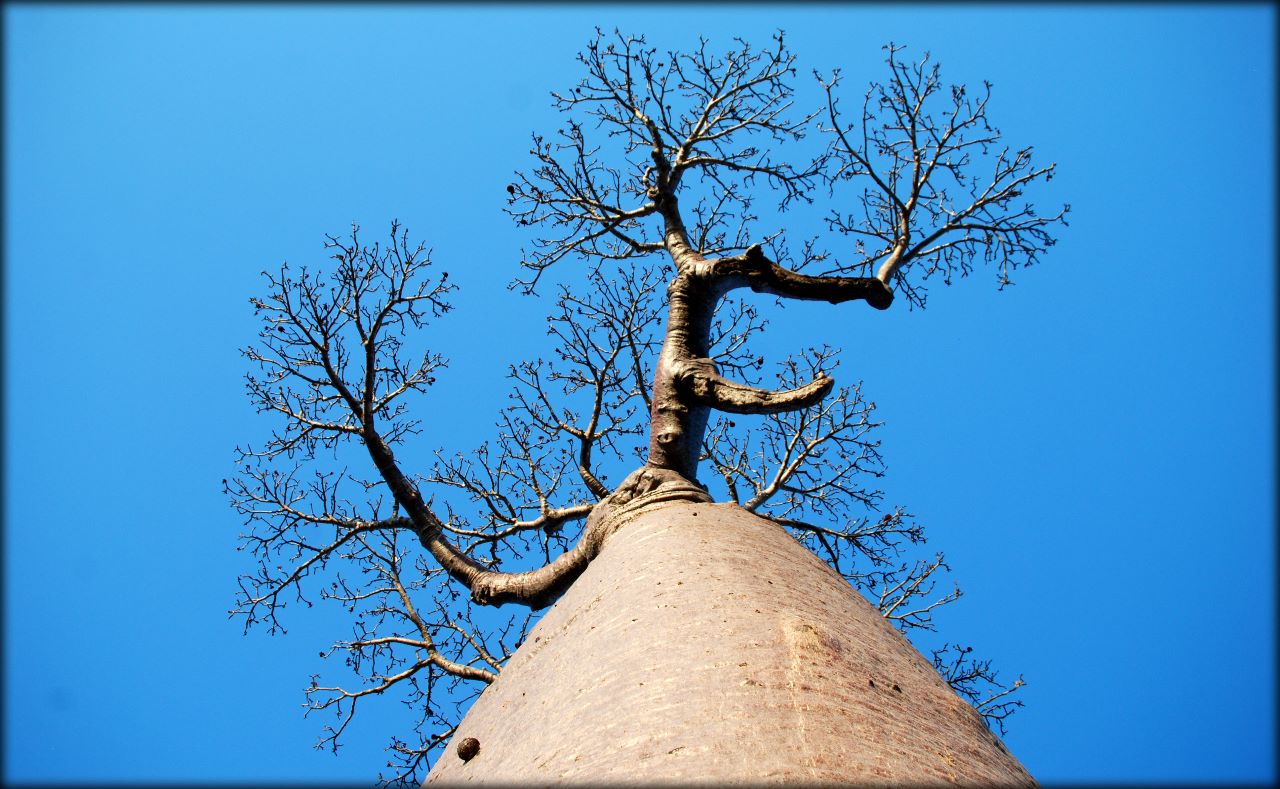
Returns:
(927,207)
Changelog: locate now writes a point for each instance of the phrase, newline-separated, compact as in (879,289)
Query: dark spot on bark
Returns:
(468,748)
(898,689)
(871,682)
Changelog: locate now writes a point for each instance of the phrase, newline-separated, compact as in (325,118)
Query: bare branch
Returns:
(977,682)
(928,210)
(349,331)
(699,380)
(807,462)
(658,116)
(904,593)
(752,269)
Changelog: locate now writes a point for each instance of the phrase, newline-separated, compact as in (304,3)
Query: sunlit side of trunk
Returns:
(705,644)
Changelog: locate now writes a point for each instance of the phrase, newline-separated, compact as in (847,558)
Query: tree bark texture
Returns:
(704,644)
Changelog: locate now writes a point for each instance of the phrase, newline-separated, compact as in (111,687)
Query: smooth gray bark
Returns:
(704,644)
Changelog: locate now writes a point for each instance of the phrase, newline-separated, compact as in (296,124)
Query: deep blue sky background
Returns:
(1092,448)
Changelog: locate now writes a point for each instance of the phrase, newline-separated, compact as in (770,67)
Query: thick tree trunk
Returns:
(705,644)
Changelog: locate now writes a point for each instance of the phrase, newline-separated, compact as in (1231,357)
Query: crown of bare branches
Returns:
(652,364)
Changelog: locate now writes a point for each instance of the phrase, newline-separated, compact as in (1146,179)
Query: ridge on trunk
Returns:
(704,644)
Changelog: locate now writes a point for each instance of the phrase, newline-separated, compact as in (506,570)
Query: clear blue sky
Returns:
(1093,448)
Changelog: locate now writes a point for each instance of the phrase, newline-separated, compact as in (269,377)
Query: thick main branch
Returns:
(698,380)
(753,270)
(536,588)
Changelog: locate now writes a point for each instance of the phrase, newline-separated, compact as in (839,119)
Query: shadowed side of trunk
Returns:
(705,644)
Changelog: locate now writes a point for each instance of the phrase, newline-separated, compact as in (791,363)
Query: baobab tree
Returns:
(650,195)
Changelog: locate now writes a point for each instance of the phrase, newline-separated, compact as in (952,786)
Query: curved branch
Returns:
(753,270)
(536,588)
(698,379)
(541,587)
(643,488)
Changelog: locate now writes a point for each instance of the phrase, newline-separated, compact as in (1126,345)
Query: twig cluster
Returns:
(978,683)
(939,188)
